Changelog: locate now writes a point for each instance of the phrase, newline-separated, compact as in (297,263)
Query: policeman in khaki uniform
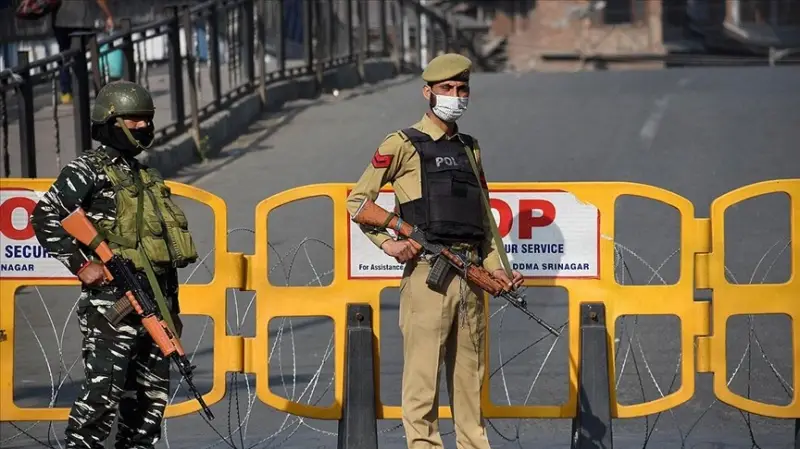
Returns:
(131,207)
(437,177)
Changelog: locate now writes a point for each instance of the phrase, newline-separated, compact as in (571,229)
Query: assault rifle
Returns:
(370,214)
(123,274)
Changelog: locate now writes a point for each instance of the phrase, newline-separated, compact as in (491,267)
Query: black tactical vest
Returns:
(450,208)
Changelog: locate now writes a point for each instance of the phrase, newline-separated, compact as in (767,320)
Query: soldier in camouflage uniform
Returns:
(130,206)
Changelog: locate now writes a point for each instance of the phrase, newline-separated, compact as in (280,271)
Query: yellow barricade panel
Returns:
(362,271)
(559,235)
(29,266)
(740,299)
(273,301)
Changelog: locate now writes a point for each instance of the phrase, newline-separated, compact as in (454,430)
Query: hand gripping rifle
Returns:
(122,273)
(370,214)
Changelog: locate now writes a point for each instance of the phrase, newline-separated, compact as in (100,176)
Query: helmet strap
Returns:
(130,137)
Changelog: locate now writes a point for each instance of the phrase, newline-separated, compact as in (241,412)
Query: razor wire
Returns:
(291,424)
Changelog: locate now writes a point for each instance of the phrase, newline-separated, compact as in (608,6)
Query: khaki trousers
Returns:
(434,330)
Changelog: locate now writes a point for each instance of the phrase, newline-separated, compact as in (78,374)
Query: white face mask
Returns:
(449,109)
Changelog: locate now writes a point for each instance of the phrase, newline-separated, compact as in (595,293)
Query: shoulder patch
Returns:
(381,160)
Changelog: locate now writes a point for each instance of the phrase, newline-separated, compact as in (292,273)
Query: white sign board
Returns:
(21,255)
(546,234)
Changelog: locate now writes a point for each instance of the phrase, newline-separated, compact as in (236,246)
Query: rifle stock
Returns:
(372,215)
(78,225)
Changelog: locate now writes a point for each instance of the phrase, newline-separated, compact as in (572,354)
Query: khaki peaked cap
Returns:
(447,66)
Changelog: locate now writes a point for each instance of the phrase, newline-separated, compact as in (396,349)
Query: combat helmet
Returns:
(122,98)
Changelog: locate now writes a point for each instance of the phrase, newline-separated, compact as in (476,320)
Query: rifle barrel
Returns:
(530,314)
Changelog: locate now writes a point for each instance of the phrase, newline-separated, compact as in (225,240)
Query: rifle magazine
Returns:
(437,276)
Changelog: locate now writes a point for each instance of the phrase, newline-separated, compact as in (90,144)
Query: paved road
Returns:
(697,132)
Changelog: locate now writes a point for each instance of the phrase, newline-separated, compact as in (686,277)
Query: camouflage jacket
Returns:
(82,183)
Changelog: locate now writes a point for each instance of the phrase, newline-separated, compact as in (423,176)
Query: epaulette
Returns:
(397,133)
(414,135)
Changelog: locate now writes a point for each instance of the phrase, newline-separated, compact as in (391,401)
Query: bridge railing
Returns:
(596,301)
(197,60)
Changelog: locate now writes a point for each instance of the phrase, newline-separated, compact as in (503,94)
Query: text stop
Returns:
(531,213)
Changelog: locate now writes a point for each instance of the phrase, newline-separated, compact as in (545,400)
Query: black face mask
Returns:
(115,137)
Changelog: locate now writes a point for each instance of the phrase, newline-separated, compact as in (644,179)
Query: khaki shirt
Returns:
(397,162)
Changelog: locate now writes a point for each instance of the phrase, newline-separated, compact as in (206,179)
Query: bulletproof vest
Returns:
(449,209)
(149,227)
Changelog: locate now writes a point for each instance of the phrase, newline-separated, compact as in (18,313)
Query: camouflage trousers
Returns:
(118,359)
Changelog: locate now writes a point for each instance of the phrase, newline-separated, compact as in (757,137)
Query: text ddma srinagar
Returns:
(551,266)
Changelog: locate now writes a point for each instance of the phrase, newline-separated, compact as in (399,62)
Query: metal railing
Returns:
(197,61)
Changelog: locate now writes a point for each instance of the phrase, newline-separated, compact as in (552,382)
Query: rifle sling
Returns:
(113,240)
(492,224)
(148,269)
